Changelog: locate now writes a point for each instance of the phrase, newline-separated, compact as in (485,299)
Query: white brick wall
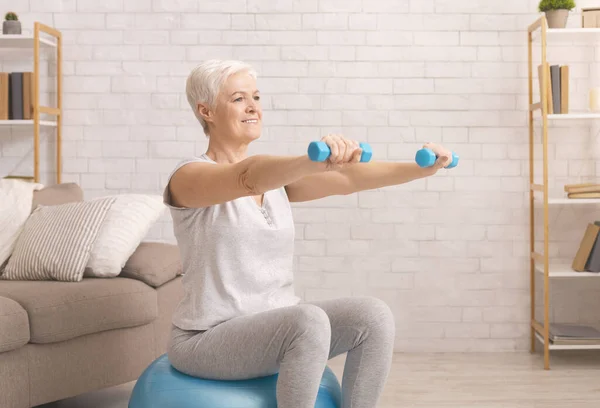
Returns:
(449,253)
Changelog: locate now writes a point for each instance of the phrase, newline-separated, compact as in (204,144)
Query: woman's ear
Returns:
(205,112)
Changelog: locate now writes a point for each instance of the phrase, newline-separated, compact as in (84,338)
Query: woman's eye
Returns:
(257,98)
(238,99)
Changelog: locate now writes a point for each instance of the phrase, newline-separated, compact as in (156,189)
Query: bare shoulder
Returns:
(182,178)
(200,184)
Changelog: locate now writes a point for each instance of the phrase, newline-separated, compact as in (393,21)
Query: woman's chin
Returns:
(248,134)
(253,135)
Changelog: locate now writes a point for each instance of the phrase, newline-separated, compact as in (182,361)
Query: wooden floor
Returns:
(513,380)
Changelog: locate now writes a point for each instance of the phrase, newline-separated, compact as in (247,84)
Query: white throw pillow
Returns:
(124,227)
(15,206)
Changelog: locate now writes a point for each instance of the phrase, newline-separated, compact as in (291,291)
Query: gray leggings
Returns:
(296,342)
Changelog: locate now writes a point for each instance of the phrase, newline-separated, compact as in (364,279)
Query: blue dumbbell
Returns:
(319,151)
(426,158)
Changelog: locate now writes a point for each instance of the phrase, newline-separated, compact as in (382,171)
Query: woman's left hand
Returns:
(444,156)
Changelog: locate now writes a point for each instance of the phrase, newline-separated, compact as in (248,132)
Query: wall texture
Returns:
(449,253)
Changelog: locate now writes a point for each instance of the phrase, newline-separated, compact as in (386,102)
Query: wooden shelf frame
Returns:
(537,327)
(539,262)
(38,109)
(37,41)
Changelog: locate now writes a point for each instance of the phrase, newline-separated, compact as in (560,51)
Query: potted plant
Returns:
(11,24)
(557,11)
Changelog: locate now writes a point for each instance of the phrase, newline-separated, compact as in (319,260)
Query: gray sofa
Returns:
(61,339)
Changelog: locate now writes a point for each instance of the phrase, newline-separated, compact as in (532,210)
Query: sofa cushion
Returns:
(56,241)
(63,310)
(57,194)
(154,263)
(14,325)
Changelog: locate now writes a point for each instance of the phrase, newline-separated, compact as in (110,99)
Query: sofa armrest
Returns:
(57,194)
(154,263)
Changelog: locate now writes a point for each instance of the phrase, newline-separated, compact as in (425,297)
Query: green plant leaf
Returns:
(546,5)
(11,16)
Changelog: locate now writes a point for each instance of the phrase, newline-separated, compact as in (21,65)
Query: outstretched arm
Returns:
(363,176)
(366,176)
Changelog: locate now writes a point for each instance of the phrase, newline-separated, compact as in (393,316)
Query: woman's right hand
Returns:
(344,152)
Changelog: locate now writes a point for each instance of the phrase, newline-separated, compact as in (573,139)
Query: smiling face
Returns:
(237,114)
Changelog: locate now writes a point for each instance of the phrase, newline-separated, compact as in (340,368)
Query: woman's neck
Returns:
(226,153)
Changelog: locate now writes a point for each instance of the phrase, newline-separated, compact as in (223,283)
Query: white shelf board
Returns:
(568,34)
(573,31)
(565,271)
(574,116)
(570,116)
(22,41)
(568,347)
(14,122)
(571,201)
(567,201)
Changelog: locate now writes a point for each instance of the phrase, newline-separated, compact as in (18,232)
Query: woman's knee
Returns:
(312,323)
(377,315)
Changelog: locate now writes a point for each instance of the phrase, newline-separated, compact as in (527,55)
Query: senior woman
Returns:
(239,317)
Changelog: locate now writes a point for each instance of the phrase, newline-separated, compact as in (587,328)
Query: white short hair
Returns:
(205,81)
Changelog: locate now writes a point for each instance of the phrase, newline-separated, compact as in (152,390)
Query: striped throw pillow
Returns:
(56,241)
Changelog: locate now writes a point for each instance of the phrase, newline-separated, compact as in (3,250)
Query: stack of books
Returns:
(584,190)
(558,88)
(16,95)
(572,334)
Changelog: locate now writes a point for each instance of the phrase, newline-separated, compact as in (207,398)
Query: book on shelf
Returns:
(584,195)
(582,188)
(590,17)
(558,88)
(573,334)
(587,258)
(16,95)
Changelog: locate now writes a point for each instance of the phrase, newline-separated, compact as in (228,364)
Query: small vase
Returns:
(557,18)
(11,27)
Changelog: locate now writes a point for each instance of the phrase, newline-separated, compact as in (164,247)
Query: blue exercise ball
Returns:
(162,386)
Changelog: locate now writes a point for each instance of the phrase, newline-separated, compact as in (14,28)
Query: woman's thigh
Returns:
(248,346)
(353,318)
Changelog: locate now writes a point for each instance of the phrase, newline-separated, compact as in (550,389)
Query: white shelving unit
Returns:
(34,43)
(540,262)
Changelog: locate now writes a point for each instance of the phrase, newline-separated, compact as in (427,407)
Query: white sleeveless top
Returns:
(237,257)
